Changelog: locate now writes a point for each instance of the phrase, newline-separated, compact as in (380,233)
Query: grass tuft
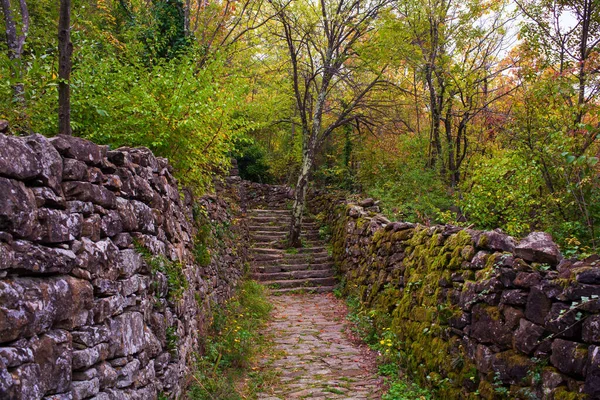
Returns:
(233,342)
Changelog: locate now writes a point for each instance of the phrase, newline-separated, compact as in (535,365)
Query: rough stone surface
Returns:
(17,160)
(453,294)
(538,247)
(313,356)
(17,208)
(83,314)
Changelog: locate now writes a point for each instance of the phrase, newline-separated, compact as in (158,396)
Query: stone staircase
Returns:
(307,269)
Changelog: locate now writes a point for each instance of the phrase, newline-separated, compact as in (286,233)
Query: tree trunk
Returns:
(300,199)
(15,44)
(65,50)
(308,158)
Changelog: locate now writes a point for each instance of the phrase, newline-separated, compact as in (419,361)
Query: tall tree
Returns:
(16,42)
(329,78)
(455,48)
(65,50)
(568,33)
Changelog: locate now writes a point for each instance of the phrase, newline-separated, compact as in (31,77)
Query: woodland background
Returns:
(480,113)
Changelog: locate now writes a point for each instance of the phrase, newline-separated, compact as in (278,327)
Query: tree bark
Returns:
(300,199)
(16,43)
(65,50)
(308,158)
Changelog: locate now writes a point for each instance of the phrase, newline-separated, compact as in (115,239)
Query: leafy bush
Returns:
(132,85)
(408,190)
(252,162)
(502,191)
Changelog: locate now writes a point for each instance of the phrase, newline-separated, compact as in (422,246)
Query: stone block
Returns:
(538,306)
(50,161)
(591,329)
(496,240)
(17,160)
(111,224)
(538,247)
(527,337)
(514,297)
(85,191)
(569,357)
(79,149)
(85,358)
(74,170)
(592,380)
(126,334)
(589,276)
(488,326)
(57,226)
(40,259)
(85,389)
(30,306)
(99,258)
(45,197)
(17,208)
(511,367)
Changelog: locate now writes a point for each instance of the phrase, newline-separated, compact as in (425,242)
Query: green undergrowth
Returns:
(173,270)
(224,371)
(385,343)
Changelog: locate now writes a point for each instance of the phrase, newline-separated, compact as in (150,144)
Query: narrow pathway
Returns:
(314,354)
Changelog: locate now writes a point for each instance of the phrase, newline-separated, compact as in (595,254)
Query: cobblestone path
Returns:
(314,355)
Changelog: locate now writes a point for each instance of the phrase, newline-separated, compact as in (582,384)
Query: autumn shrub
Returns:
(502,190)
(407,188)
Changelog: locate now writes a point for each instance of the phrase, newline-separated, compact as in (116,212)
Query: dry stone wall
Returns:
(474,314)
(107,270)
(259,195)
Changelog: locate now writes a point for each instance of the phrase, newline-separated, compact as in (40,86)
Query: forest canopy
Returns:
(473,113)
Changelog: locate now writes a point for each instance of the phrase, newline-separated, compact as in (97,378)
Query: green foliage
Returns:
(401,390)
(201,242)
(362,322)
(502,191)
(173,270)
(136,81)
(232,343)
(172,340)
(252,162)
(163,35)
(407,189)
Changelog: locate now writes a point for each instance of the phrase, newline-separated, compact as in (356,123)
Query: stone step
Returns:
(266,254)
(277,220)
(272,238)
(289,275)
(260,211)
(314,289)
(281,228)
(282,234)
(278,245)
(297,252)
(269,269)
(291,258)
(300,283)
(264,261)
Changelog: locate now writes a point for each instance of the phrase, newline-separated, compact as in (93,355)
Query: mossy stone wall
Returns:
(475,314)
